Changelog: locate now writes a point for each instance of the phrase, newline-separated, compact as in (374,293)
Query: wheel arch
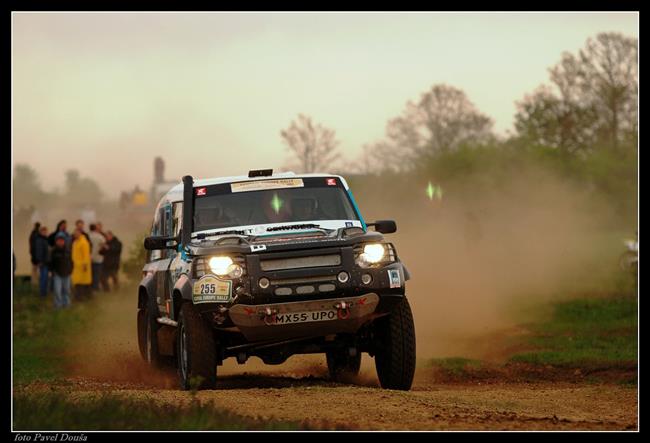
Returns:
(181,293)
(145,288)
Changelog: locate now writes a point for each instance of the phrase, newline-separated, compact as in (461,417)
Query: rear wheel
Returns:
(197,353)
(342,367)
(394,344)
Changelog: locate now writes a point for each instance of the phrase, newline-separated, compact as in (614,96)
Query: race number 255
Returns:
(208,288)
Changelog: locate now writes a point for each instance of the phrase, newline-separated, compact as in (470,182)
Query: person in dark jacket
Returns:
(61,226)
(112,259)
(42,257)
(32,238)
(61,267)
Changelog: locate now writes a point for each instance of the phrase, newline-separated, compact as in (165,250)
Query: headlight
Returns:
(220,265)
(373,253)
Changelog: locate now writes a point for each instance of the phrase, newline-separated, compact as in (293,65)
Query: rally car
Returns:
(272,265)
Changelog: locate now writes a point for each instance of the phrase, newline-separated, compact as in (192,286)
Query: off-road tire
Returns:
(151,354)
(142,332)
(394,337)
(197,366)
(342,367)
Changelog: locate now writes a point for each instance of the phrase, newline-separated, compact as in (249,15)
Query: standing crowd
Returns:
(78,264)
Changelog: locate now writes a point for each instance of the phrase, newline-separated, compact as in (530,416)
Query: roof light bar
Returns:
(260,173)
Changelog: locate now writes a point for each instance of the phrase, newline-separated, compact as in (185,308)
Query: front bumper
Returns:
(279,321)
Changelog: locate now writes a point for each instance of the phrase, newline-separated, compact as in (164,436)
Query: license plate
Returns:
(304,317)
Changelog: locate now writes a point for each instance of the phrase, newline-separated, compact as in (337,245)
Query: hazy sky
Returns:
(106,92)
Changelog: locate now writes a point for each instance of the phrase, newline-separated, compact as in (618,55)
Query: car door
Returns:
(163,260)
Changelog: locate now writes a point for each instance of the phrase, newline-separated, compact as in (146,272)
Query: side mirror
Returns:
(384,226)
(155,243)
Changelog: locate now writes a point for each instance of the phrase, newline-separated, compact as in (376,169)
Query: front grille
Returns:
(306,289)
(300,280)
(313,261)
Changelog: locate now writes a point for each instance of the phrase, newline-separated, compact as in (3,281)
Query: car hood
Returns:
(280,242)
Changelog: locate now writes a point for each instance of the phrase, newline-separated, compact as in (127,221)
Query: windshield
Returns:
(268,201)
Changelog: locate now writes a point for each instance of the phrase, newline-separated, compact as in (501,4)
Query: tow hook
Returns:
(342,310)
(269,316)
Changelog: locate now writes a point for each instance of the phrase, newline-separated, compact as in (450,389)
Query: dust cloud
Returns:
(475,259)
(485,254)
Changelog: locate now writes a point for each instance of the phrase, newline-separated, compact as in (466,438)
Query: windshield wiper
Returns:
(299,226)
(203,235)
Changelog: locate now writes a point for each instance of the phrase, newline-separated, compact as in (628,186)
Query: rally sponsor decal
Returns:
(259,185)
(394,278)
(209,289)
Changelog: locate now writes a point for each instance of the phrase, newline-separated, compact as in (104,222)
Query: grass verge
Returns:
(57,412)
(590,332)
(40,335)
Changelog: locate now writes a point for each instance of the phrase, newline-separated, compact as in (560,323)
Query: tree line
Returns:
(588,107)
(77,190)
(587,110)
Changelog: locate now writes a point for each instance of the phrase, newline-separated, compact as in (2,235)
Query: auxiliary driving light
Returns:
(264,282)
(343,277)
(366,279)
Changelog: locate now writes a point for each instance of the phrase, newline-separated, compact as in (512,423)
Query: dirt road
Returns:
(300,391)
(105,359)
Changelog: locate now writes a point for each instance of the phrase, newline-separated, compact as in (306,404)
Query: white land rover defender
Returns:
(272,265)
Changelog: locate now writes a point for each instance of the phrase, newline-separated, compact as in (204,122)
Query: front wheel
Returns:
(197,353)
(148,322)
(394,343)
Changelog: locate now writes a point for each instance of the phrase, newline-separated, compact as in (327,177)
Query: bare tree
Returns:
(313,145)
(594,98)
(441,121)
(549,120)
(610,74)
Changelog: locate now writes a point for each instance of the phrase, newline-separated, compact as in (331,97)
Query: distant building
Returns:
(140,200)
(160,186)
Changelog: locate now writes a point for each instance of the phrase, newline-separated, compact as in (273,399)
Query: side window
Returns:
(177,218)
(155,231)
(165,226)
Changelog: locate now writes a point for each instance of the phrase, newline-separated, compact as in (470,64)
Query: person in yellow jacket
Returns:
(81,271)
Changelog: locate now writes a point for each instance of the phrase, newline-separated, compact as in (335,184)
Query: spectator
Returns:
(81,277)
(111,260)
(42,257)
(61,267)
(62,226)
(100,229)
(32,239)
(97,244)
(79,224)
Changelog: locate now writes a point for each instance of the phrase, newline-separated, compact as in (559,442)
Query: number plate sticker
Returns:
(304,317)
(209,289)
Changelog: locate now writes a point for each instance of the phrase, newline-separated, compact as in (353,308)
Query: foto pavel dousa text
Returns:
(58,436)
